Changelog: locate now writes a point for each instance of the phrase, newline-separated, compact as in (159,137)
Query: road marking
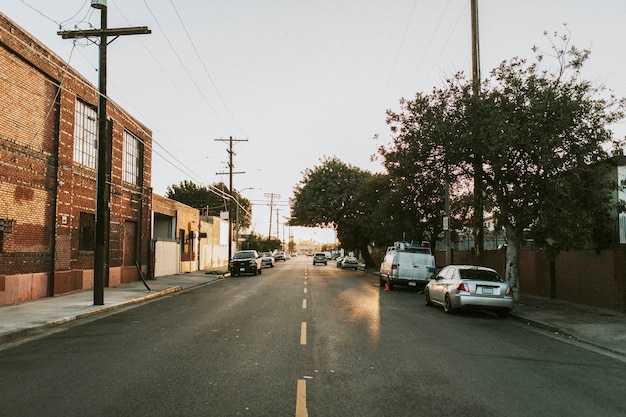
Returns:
(305,290)
(303,333)
(304,303)
(301,410)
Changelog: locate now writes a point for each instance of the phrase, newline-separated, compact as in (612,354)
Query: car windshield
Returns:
(243,255)
(479,275)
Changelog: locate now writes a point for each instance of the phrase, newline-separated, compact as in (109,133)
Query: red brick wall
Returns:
(42,190)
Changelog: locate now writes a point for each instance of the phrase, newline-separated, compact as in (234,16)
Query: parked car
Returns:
(267,259)
(245,261)
(471,287)
(280,256)
(410,267)
(320,258)
(339,260)
(350,262)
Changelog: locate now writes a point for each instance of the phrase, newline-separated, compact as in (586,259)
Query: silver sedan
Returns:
(471,287)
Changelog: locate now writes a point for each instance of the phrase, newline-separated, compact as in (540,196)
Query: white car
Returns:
(267,259)
(470,287)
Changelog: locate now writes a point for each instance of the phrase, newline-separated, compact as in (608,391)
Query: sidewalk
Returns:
(26,319)
(603,329)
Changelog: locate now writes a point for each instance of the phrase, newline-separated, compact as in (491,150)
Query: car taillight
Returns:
(463,287)
(509,291)
(394,266)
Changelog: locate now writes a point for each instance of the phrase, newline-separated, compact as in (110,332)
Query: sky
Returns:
(297,81)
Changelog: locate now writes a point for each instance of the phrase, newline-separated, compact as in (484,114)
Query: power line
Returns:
(180,60)
(206,71)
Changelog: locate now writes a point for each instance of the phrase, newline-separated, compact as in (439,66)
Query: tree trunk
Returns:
(369,261)
(511,274)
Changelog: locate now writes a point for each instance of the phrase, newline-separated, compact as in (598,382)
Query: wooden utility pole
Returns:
(104,144)
(479,235)
(231,153)
(271,197)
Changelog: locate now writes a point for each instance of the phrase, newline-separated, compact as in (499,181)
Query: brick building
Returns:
(48,132)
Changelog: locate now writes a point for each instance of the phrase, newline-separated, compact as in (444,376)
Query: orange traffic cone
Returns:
(387,287)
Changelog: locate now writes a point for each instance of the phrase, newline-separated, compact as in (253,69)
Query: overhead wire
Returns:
(206,71)
(395,62)
(180,60)
(461,13)
(428,45)
(66,71)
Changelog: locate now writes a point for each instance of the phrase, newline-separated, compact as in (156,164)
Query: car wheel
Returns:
(447,304)
(427,299)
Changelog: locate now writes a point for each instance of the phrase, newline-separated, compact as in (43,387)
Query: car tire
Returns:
(447,305)
(427,299)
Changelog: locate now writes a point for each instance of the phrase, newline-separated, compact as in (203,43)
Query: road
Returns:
(305,340)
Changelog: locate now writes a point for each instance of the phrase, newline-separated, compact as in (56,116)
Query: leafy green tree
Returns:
(211,200)
(423,156)
(260,243)
(539,135)
(542,143)
(327,196)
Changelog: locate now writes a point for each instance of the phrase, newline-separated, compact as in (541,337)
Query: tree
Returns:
(260,243)
(327,196)
(423,156)
(211,200)
(543,140)
(540,136)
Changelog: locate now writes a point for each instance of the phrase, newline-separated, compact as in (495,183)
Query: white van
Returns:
(411,268)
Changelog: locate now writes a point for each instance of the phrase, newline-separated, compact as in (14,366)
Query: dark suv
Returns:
(245,261)
(320,257)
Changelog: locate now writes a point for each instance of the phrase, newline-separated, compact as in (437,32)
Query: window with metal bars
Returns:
(85,135)
(131,159)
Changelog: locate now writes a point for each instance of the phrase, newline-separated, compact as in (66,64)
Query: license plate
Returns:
(412,284)
(242,269)
(487,290)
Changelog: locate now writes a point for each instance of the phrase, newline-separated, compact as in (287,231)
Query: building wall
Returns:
(213,243)
(43,191)
(187,220)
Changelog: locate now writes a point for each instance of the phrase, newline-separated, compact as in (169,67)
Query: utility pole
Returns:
(271,197)
(104,174)
(231,153)
(479,236)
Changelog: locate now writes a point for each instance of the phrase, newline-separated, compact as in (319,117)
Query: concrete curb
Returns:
(15,335)
(560,332)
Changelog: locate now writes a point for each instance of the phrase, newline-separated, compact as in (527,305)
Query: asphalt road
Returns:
(301,339)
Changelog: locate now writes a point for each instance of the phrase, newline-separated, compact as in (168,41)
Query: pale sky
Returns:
(300,79)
